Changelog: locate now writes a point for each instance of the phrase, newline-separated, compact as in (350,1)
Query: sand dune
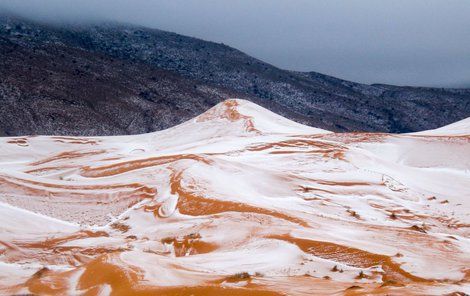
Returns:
(237,201)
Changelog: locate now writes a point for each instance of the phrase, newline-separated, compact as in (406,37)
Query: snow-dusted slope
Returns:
(238,201)
(459,128)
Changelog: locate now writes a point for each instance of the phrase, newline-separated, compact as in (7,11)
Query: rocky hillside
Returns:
(122,79)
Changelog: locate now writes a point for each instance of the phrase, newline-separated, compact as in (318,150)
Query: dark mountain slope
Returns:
(129,55)
(54,89)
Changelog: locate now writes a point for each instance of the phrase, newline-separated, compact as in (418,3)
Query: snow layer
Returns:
(237,201)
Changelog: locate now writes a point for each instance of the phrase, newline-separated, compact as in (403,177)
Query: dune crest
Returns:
(237,201)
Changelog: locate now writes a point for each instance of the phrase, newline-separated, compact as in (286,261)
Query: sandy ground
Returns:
(237,201)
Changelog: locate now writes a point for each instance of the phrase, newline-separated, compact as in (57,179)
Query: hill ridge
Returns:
(179,72)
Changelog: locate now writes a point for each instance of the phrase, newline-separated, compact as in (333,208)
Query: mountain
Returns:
(109,79)
(237,201)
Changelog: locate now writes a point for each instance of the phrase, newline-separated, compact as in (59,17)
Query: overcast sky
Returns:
(406,42)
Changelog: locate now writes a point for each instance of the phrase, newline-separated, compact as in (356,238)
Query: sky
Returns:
(403,42)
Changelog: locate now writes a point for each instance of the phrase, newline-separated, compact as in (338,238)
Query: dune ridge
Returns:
(237,201)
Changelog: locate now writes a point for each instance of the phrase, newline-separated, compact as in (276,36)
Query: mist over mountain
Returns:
(416,43)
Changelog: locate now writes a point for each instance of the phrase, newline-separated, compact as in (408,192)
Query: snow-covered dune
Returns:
(237,201)
(459,128)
